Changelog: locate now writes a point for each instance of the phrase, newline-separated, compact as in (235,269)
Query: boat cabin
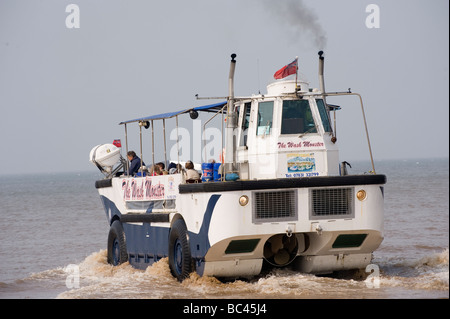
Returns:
(285,133)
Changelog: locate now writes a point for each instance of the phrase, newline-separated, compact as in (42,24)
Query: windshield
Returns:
(323,115)
(297,117)
(265,116)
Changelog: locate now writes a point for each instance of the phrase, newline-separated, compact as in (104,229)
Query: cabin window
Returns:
(323,115)
(245,111)
(297,117)
(265,118)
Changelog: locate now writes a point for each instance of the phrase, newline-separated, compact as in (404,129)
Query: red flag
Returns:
(117,143)
(287,70)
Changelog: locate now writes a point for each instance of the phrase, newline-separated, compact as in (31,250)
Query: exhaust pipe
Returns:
(230,154)
(322,89)
(321,63)
(231,78)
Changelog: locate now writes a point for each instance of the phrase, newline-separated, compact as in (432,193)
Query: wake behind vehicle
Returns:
(279,194)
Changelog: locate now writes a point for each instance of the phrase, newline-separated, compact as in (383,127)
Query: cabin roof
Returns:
(205,108)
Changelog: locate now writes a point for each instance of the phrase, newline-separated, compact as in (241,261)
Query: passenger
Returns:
(135,163)
(191,174)
(171,165)
(162,167)
(176,169)
(155,170)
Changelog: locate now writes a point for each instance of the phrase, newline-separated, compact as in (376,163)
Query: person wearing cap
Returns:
(171,166)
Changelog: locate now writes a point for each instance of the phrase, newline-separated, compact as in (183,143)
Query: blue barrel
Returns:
(217,174)
(207,169)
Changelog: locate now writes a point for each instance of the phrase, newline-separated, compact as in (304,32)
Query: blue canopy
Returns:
(206,108)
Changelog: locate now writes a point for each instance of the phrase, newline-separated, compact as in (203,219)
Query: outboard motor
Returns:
(105,156)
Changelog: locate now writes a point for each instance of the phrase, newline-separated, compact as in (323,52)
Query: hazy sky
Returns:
(64,90)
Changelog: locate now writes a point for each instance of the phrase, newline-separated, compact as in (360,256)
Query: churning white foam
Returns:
(98,279)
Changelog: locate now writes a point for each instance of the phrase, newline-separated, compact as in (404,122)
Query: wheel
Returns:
(180,260)
(117,248)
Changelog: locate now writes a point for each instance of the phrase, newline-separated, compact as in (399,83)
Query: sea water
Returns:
(53,235)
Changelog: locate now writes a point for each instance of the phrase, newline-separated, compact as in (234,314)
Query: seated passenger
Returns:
(191,174)
(171,165)
(155,170)
(162,167)
(177,169)
(135,163)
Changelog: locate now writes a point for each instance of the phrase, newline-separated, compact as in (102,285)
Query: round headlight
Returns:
(361,195)
(243,200)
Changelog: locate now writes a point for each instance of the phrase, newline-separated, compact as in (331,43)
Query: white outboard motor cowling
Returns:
(105,156)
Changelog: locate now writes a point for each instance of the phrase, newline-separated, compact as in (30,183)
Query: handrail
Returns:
(364,118)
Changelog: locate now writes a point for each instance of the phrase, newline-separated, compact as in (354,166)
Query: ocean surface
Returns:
(53,234)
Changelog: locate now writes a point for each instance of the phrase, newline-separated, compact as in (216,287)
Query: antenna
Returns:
(257,69)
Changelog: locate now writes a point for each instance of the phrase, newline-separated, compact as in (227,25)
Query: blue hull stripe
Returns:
(147,244)
(200,242)
(111,209)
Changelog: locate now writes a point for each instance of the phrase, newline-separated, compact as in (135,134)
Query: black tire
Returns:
(180,260)
(117,247)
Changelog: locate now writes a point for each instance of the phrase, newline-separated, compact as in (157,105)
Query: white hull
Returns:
(230,240)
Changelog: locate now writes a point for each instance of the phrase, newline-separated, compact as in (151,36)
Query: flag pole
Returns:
(296,73)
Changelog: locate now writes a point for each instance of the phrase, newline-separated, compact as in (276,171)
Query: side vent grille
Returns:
(332,202)
(274,206)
